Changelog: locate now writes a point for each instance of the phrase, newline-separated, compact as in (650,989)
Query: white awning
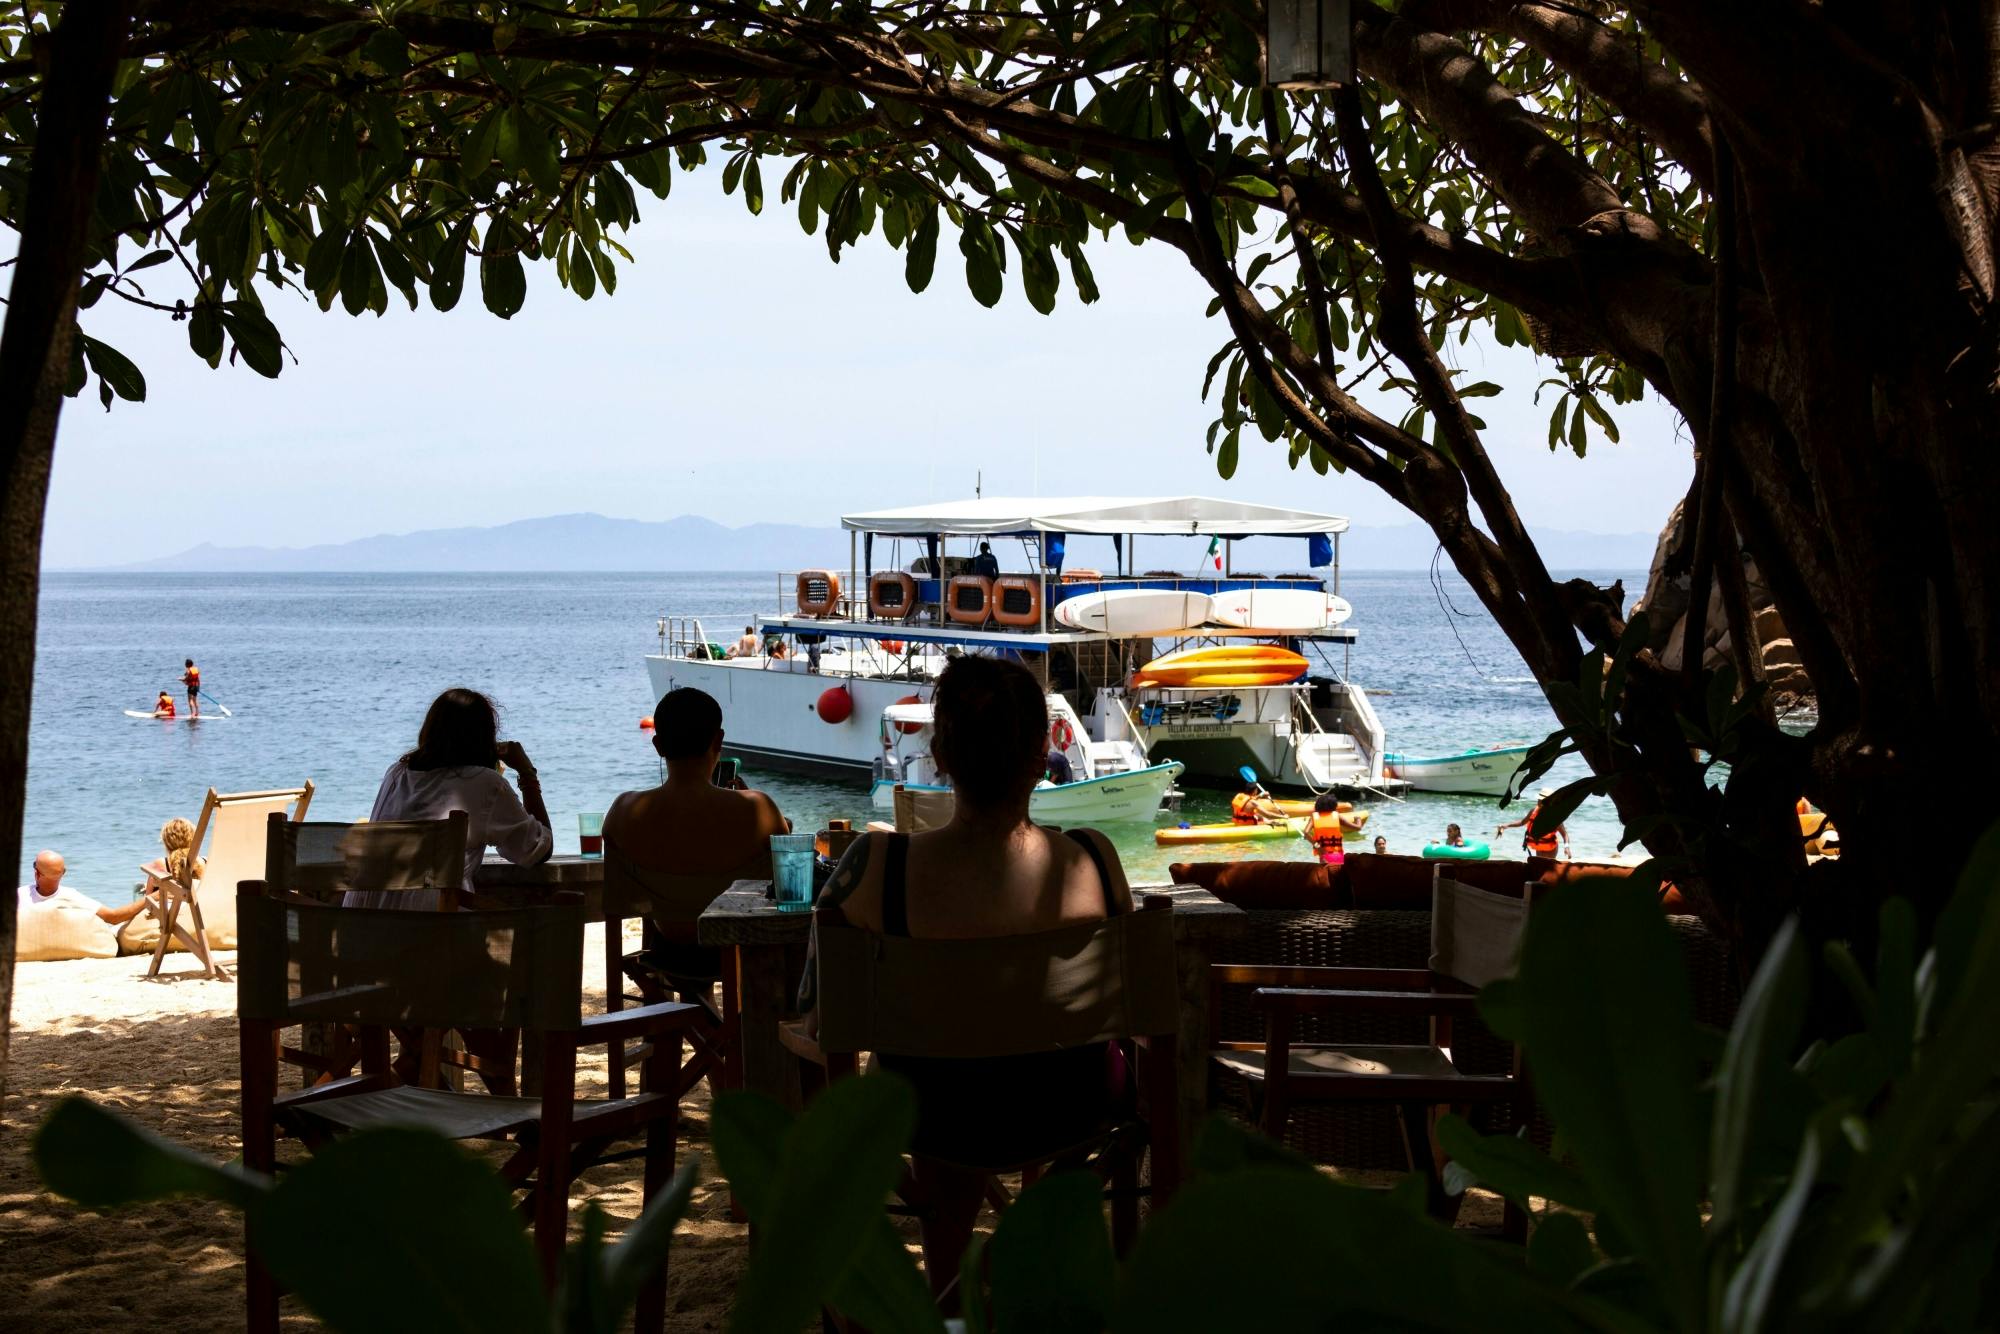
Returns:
(1166,516)
(909,713)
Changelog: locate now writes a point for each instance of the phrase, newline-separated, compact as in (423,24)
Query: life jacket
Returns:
(165,706)
(1323,831)
(192,676)
(1545,846)
(1243,808)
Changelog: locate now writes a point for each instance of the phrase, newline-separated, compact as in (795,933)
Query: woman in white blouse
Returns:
(456,767)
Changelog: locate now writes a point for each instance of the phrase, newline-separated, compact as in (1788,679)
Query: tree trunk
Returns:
(34,370)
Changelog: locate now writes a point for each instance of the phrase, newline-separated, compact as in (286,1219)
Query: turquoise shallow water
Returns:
(328,676)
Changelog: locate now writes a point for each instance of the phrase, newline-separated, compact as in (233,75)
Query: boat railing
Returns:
(683,637)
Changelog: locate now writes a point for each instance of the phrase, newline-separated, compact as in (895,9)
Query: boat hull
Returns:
(1107,800)
(769,714)
(1476,772)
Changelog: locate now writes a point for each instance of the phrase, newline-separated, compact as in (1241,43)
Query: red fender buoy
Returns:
(646,723)
(835,705)
(910,729)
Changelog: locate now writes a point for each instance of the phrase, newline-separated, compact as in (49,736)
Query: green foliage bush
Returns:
(1733,1183)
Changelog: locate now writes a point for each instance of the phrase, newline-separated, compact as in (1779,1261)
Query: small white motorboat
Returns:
(1482,771)
(1113,779)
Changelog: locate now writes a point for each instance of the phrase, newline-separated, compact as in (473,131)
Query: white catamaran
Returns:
(1147,672)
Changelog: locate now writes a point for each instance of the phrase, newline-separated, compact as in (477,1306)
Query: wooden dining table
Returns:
(767,952)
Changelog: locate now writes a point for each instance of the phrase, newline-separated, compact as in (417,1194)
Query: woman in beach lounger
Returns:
(991,871)
(456,767)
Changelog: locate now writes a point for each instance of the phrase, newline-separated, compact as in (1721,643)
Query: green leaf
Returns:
(1559,805)
(1511,1166)
(406,1203)
(814,1189)
(1560,1248)
(1051,1258)
(100,1160)
(323,261)
(1605,1017)
(114,369)
(503,284)
(1225,457)
(1275,1249)
(982,264)
(358,274)
(481,142)
(205,333)
(753,187)
(256,338)
(922,257)
(448,267)
(645,1244)
(1756,1058)
(1224,1145)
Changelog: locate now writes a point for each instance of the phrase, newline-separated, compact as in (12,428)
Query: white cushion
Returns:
(63,931)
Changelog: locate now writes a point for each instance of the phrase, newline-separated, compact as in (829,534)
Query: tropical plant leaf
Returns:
(1051,1258)
(100,1160)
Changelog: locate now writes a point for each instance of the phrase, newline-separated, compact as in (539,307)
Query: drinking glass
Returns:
(791,871)
(590,833)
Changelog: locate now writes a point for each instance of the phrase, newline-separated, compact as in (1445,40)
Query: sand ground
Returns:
(163,1052)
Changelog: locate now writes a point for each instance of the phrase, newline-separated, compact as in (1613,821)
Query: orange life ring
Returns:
(968,599)
(818,593)
(1061,734)
(892,595)
(1017,601)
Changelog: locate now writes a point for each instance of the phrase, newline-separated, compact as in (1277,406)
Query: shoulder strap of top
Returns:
(895,887)
(1089,845)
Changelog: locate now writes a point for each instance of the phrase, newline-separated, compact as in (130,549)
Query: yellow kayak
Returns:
(1226,833)
(1294,808)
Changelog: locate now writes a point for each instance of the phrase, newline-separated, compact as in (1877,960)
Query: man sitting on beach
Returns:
(687,825)
(48,893)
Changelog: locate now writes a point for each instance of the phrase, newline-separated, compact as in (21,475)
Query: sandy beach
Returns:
(164,1054)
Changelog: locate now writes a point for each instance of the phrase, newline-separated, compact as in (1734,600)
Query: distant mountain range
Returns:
(581,542)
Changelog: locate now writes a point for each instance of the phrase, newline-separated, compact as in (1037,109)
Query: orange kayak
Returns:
(1228,667)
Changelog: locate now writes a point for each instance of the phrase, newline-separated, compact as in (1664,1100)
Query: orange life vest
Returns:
(192,678)
(1323,830)
(165,706)
(1545,846)
(1243,808)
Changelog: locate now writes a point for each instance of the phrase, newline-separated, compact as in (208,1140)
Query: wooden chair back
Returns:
(999,996)
(667,899)
(306,962)
(321,859)
(920,811)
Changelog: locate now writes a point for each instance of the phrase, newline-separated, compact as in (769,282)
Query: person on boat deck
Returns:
(991,871)
(1323,830)
(456,767)
(1454,837)
(1381,845)
(1544,844)
(774,649)
(985,562)
(163,707)
(1059,770)
(747,646)
(687,825)
(191,678)
(47,893)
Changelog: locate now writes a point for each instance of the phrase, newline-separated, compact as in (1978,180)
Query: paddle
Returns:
(216,702)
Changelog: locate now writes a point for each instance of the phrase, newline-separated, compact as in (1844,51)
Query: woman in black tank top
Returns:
(976,1115)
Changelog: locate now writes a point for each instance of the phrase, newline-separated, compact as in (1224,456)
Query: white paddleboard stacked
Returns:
(1134,613)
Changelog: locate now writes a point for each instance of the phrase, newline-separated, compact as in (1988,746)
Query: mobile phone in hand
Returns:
(725,773)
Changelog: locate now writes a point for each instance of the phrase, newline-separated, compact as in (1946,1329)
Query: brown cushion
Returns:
(1266,884)
(1548,871)
(1390,880)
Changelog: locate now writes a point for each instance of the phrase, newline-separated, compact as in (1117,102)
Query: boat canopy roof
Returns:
(1165,516)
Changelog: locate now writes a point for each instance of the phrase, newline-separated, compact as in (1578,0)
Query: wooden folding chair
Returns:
(323,860)
(1475,939)
(670,964)
(307,962)
(1108,981)
(229,838)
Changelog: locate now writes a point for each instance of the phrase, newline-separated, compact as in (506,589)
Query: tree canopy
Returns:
(1777,219)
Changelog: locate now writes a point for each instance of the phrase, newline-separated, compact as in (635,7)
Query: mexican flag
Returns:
(1215,551)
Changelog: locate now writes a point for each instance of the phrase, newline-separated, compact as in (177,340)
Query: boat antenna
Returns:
(978,485)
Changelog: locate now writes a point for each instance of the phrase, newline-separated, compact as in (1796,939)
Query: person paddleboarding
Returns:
(191,678)
(164,706)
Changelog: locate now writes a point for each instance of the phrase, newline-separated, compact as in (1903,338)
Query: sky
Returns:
(740,375)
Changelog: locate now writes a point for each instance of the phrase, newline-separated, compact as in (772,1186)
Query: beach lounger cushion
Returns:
(453,1115)
(62,931)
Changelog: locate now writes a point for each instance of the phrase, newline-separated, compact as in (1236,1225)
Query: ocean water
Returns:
(328,676)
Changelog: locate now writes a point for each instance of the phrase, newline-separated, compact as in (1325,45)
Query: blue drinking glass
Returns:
(791,871)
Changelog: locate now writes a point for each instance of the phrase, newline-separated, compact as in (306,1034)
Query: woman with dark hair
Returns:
(456,767)
(991,871)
